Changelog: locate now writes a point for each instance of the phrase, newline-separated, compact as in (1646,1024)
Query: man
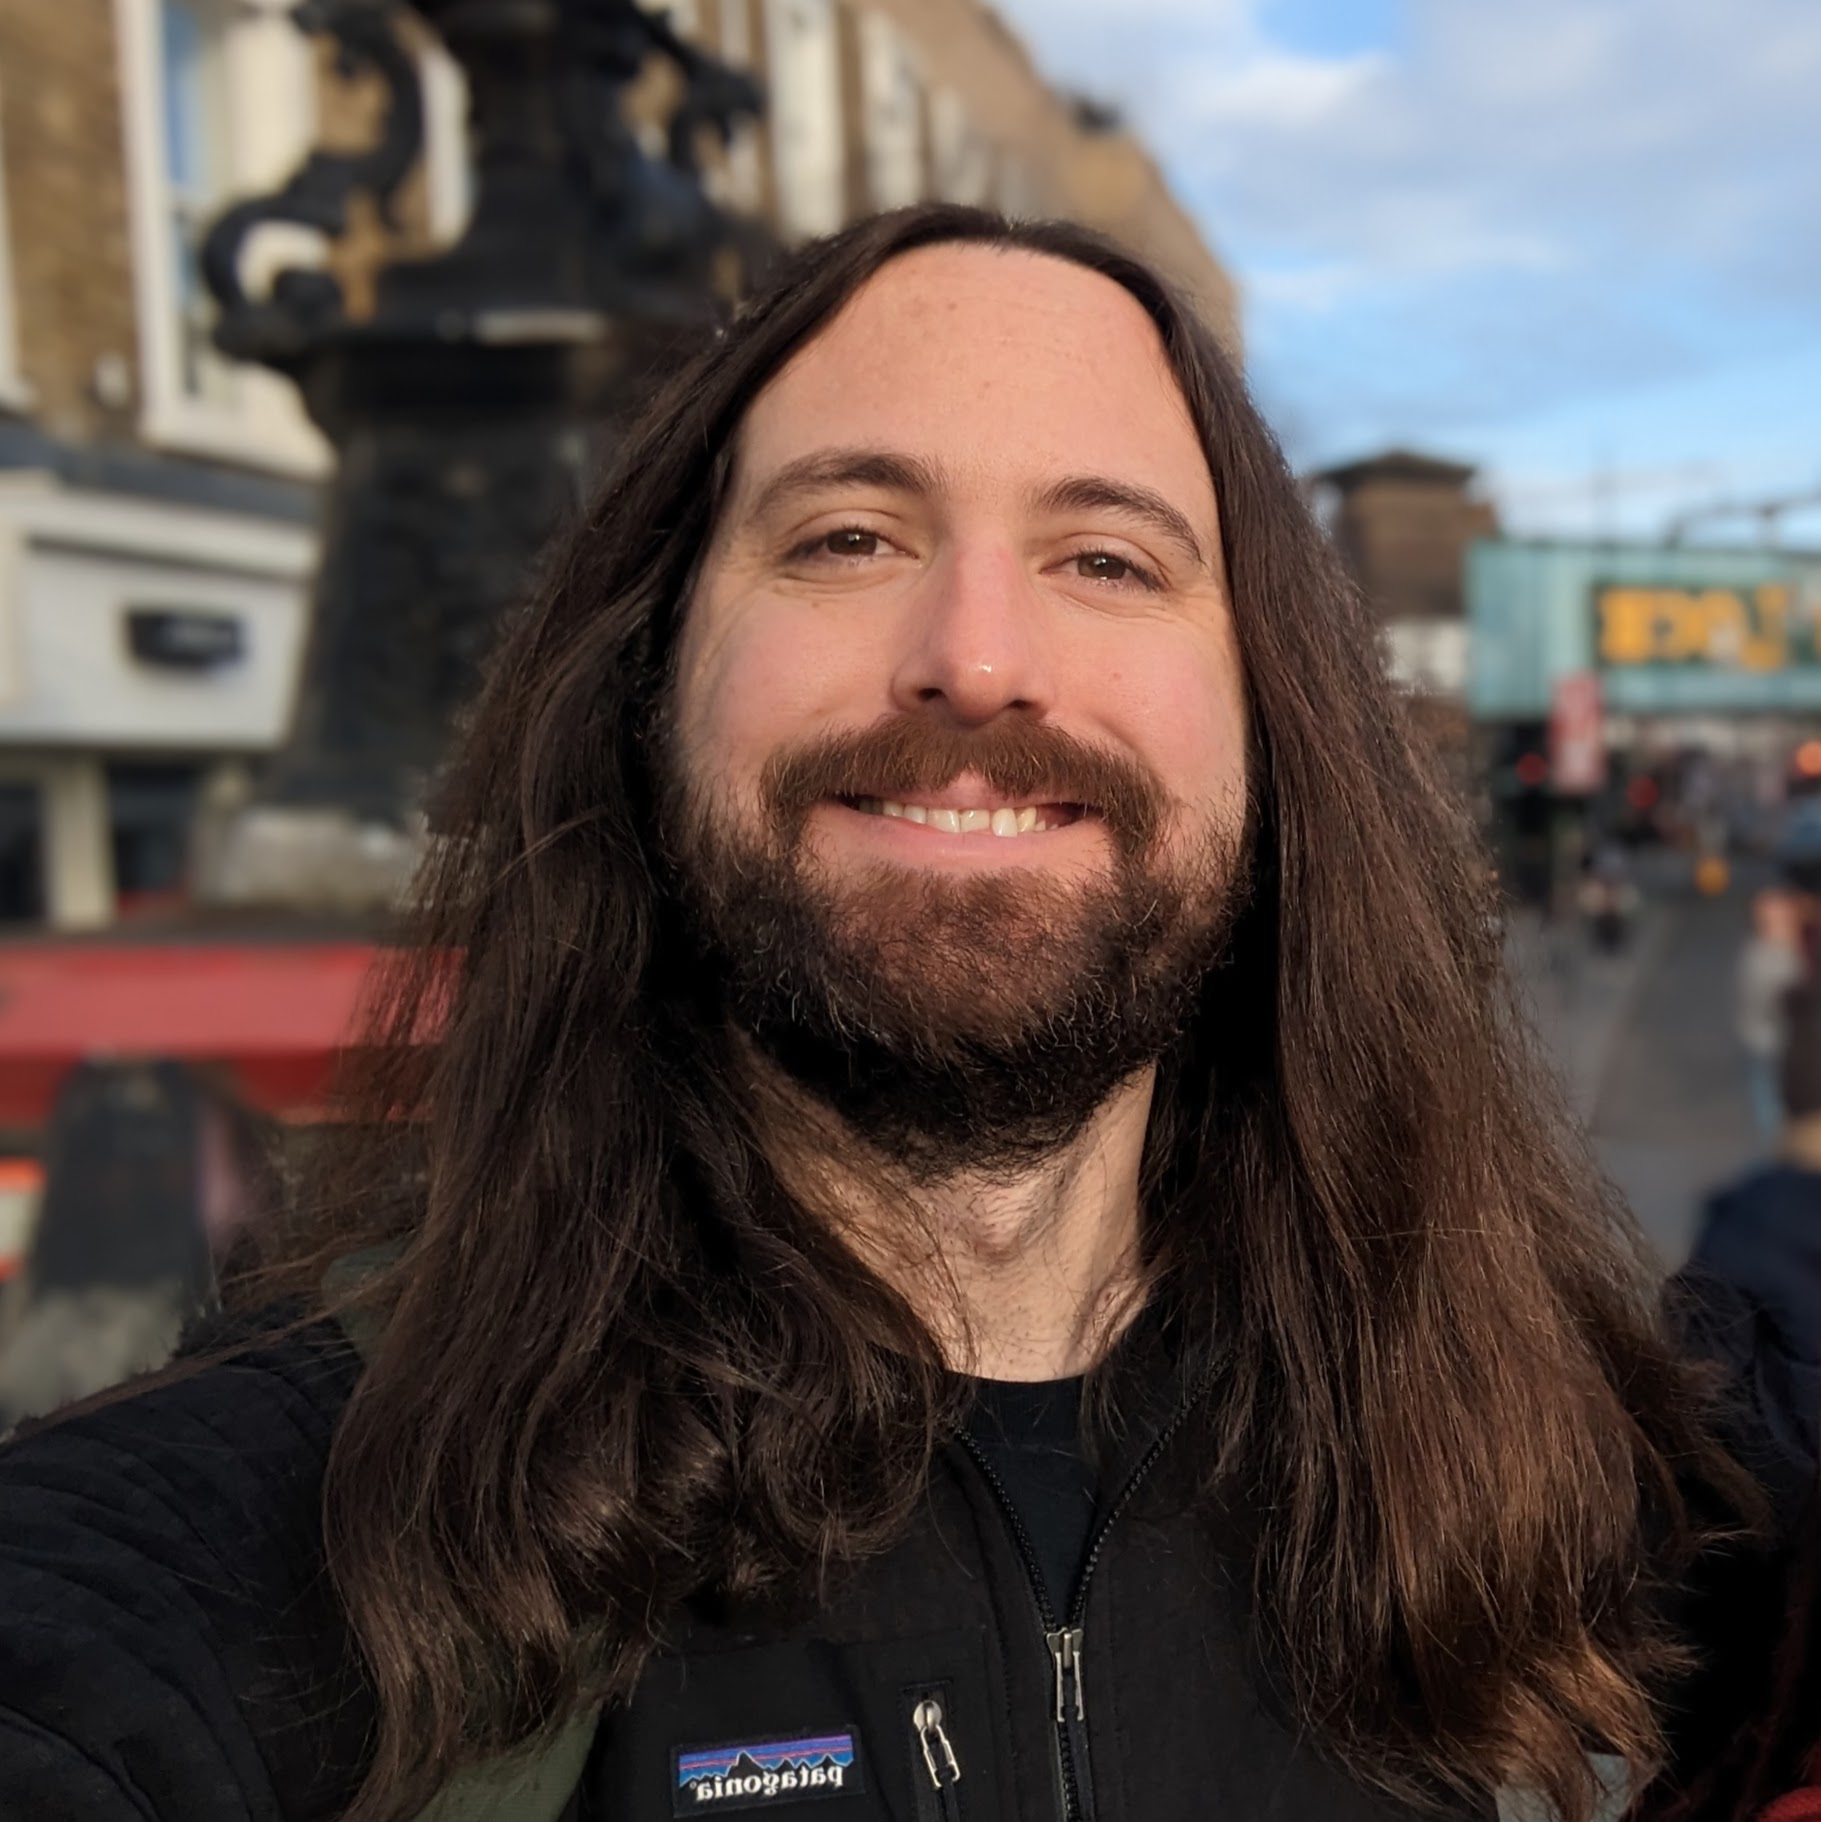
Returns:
(1773,964)
(152,1176)
(1763,1232)
(947,1224)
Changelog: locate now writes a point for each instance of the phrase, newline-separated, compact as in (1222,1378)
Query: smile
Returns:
(1004,820)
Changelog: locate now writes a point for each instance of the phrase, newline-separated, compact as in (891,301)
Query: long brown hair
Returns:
(619,1368)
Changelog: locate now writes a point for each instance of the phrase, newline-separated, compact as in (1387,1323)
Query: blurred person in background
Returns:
(1609,896)
(976,1237)
(1799,839)
(1773,964)
(1756,1757)
(1763,1233)
(153,1176)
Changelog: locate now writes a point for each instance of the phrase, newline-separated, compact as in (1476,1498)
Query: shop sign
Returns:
(183,639)
(1768,626)
(1577,740)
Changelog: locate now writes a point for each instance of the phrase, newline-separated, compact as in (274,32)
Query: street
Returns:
(1646,1048)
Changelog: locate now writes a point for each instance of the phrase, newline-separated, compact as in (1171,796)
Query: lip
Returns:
(917,844)
(971,792)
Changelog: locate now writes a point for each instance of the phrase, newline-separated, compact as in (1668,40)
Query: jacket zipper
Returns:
(935,1770)
(1075,1791)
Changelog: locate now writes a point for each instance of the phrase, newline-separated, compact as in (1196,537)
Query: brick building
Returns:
(1403,524)
(157,504)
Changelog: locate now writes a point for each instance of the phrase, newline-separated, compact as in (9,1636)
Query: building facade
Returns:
(158,503)
(1403,524)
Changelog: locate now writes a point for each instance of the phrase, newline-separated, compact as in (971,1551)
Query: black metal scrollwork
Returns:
(305,301)
(572,61)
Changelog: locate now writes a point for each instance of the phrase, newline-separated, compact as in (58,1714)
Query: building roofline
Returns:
(147,474)
(1804,554)
(1396,464)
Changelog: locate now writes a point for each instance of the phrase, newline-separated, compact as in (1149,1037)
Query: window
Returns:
(198,177)
(218,99)
(736,185)
(807,150)
(21,853)
(150,808)
(893,91)
(13,390)
(683,15)
(963,160)
(1019,194)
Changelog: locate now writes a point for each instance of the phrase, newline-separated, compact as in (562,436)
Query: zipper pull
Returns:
(1065,1648)
(938,1754)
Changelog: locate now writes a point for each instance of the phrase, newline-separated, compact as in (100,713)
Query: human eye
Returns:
(1112,570)
(845,543)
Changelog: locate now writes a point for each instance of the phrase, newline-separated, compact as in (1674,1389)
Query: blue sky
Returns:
(1575,241)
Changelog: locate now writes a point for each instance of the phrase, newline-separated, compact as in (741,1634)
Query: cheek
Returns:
(1180,705)
(761,676)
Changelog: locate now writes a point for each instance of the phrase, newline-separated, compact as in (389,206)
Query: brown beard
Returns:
(956,1024)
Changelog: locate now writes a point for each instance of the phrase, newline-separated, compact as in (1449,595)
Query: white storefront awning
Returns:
(129,624)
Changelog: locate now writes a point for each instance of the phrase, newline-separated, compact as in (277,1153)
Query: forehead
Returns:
(988,360)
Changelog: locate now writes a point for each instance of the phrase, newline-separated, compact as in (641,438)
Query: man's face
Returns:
(960,721)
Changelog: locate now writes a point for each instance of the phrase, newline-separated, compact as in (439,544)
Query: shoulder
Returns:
(1763,1351)
(1774,1189)
(168,1626)
(1762,1240)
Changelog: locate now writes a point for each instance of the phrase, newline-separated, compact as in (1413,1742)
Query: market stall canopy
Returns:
(272,1018)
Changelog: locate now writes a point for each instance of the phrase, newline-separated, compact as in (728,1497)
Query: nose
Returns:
(976,645)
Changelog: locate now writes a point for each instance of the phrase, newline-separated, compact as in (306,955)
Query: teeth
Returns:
(1003,821)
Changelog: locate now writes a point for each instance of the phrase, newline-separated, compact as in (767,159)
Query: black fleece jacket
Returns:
(170,1650)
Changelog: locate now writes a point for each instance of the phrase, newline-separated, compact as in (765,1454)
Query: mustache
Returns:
(1027,761)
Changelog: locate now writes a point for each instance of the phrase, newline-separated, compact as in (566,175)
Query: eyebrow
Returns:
(826,468)
(892,472)
(1099,493)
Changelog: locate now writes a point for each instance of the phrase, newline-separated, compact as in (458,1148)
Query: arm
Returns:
(1749,1304)
(169,1648)
(1735,1607)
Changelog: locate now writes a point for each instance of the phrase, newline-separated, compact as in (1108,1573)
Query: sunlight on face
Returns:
(975,506)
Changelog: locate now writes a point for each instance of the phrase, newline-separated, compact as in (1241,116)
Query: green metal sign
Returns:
(1668,630)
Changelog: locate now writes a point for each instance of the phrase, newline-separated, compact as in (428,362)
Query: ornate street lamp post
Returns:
(468,408)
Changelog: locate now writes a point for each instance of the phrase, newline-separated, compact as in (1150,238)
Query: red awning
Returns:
(273,1017)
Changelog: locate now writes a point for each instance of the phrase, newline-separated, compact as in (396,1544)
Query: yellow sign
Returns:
(1746,629)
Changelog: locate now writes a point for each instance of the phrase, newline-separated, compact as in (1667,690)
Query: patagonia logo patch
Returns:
(768,1773)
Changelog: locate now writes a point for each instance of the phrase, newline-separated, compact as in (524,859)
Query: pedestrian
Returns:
(1772,965)
(1609,896)
(1763,1233)
(153,1175)
(948,1218)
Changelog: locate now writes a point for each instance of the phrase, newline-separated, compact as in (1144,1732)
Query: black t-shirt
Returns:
(1031,1434)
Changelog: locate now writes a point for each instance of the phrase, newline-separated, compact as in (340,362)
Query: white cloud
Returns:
(1646,128)
(1509,207)
(1279,91)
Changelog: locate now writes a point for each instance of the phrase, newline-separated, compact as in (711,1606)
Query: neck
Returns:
(1028,1274)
